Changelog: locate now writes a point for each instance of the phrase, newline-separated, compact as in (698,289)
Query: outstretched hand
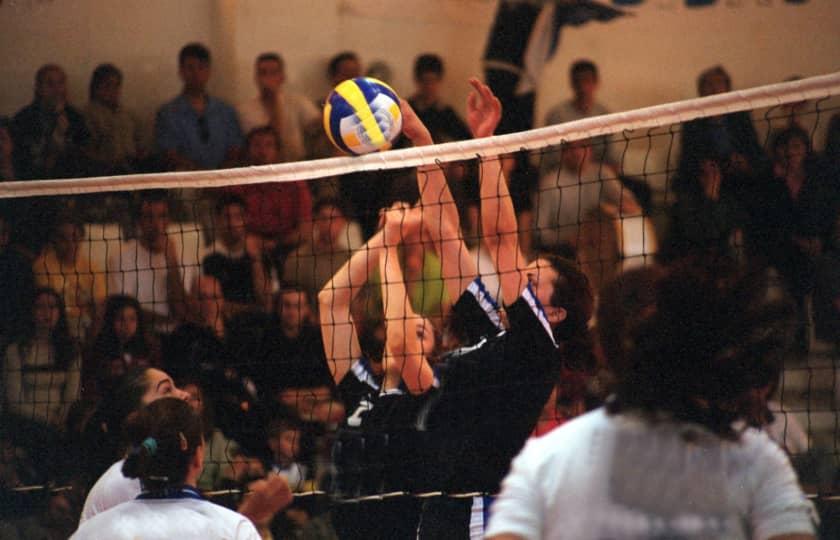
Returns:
(413,127)
(484,110)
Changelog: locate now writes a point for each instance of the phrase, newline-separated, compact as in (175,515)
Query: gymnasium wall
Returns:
(651,57)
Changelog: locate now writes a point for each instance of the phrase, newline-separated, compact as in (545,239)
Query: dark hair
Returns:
(428,63)
(102,73)
(692,340)
(107,345)
(332,67)
(262,130)
(208,416)
(573,293)
(164,438)
(194,50)
(149,196)
(43,70)
(64,346)
(583,66)
(269,57)
(788,134)
(715,70)
(229,199)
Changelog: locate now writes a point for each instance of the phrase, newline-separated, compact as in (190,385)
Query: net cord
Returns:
(819,87)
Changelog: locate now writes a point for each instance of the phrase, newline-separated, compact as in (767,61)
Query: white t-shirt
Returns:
(111,489)
(602,476)
(137,272)
(298,113)
(164,519)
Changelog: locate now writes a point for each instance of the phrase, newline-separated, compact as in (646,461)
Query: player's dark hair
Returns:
(332,66)
(101,74)
(164,438)
(194,50)
(583,66)
(573,293)
(428,63)
(693,340)
(270,57)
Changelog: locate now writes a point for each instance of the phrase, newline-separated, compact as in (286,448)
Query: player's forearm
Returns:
(498,219)
(438,204)
(348,281)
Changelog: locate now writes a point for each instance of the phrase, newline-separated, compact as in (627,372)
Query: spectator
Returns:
(443,122)
(585,82)
(280,213)
(292,116)
(49,134)
(343,66)
(17,284)
(730,138)
(41,380)
(196,130)
(71,272)
(115,143)
(124,343)
(334,236)
(148,267)
(236,259)
(284,441)
(7,149)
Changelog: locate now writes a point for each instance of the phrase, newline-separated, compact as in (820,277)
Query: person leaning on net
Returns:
(167,455)
(662,459)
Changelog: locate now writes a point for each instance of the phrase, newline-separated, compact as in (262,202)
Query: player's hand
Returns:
(265,498)
(484,110)
(413,127)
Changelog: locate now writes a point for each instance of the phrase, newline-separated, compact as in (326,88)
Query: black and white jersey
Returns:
(358,390)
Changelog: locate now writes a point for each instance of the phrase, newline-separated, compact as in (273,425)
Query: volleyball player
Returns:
(167,456)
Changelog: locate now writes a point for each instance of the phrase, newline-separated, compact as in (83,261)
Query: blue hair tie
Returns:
(150,444)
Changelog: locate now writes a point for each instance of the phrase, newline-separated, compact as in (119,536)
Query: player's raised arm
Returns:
(341,343)
(440,214)
(404,358)
(498,221)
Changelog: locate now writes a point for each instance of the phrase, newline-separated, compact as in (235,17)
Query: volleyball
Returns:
(362,115)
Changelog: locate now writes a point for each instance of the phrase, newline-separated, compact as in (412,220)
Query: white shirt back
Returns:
(164,519)
(111,489)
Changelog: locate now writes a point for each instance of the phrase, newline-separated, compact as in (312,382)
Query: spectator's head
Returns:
(105,85)
(791,147)
(47,320)
(51,86)
(714,80)
(263,146)
(167,446)
(284,440)
(345,65)
(575,154)
(67,233)
(124,318)
(567,299)
(270,72)
(583,76)
(153,219)
(194,67)
(329,221)
(230,219)
(293,309)
(693,341)
(210,300)
(428,76)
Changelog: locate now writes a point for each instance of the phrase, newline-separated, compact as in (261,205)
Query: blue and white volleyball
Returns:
(362,115)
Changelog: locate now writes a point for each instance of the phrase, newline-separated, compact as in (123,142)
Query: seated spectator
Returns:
(730,138)
(17,284)
(196,130)
(292,117)
(115,143)
(7,149)
(585,82)
(148,267)
(69,270)
(443,122)
(284,441)
(573,195)
(41,380)
(49,134)
(280,213)
(236,259)
(706,218)
(124,343)
(334,236)
(343,66)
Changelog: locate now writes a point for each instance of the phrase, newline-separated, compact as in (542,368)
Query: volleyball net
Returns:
(214,276)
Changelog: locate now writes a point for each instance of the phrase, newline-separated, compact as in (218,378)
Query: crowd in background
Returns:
(238,330)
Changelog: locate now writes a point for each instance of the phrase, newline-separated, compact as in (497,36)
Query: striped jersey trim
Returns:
(486,301)
(536,307)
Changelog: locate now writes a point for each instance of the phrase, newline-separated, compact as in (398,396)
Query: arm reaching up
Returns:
(341,343)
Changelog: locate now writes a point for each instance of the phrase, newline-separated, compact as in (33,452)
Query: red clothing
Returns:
(275,209)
